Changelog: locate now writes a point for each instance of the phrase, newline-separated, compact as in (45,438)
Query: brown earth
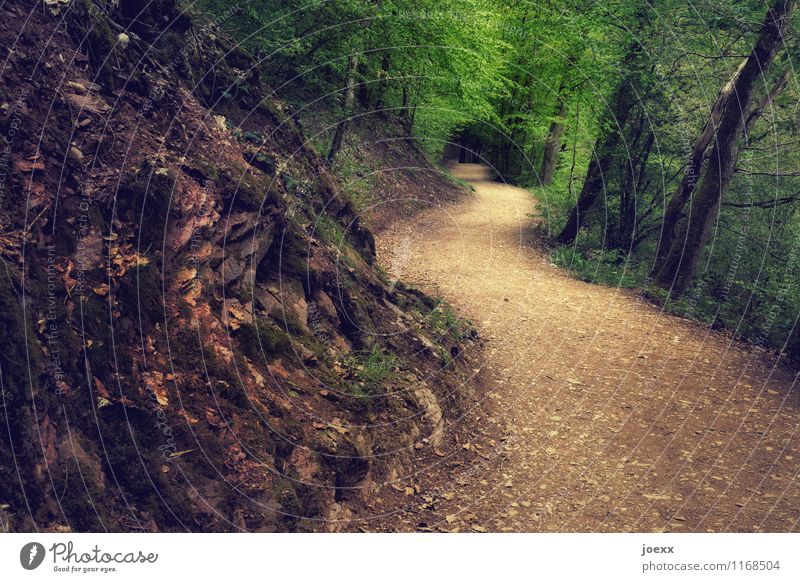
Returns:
(614,415)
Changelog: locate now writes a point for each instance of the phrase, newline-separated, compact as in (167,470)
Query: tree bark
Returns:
(680,263)
(552,147)
(632,187)
(383,84)
(594,183)
(404,109)
(675,207)
(347,107)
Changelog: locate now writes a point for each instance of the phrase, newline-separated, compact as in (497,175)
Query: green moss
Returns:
(261,161)
(187,353)
(240,188)
(83,502)
(296,500)
(15,357)
(230,390)
(263,336)
(291,323)
(93,319)
(131,439)
(287,256)
(206,168)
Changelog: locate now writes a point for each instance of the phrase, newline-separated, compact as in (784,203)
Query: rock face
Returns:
(194,334)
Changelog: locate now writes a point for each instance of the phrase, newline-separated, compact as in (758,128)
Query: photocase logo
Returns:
(31,555)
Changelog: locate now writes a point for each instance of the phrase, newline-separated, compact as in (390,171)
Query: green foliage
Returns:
(604,267)
(445,324)
(370,369)
(507,78)
(445,55)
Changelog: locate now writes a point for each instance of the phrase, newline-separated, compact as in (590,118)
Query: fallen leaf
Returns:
(656,497)
(88,103)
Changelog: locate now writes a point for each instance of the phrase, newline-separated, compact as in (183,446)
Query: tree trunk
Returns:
(365,90)
(631,189)
(383,83)
(680,263)
(672,213)
(347,107)
(622,101)
(404,109)
(552,147)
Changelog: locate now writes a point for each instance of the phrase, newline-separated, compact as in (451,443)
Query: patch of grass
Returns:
(370,369)
(694,304)
(443,321)
(602,267)
(329,230)
(357,178)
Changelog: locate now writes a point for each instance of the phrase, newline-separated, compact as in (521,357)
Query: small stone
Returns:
(79,88)
(75,155)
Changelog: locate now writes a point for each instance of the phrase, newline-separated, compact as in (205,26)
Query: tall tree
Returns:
(552,146)
(680,263)
(348,96)
(620,105)
(694,167)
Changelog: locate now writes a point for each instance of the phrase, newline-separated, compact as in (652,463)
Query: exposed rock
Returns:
(179,315)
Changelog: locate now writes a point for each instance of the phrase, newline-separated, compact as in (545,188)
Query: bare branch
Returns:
(765,203)
(759,108)
(770,174)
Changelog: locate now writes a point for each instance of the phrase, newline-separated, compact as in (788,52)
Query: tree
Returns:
(620,106)
(694,167)
(348,96)
(552,146)
(680,262)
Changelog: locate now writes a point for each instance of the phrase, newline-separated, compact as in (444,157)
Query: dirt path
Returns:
(616,416)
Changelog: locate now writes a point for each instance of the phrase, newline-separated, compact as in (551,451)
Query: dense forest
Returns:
(394,265)
(659,136)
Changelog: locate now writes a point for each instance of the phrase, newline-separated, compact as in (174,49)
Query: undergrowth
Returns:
(612,267)
(370,370)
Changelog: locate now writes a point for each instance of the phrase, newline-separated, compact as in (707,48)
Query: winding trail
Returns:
(616,416)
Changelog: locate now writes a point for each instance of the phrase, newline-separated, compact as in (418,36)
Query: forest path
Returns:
(616,416)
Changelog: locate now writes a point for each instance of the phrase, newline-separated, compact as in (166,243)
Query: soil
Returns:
(610,414)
